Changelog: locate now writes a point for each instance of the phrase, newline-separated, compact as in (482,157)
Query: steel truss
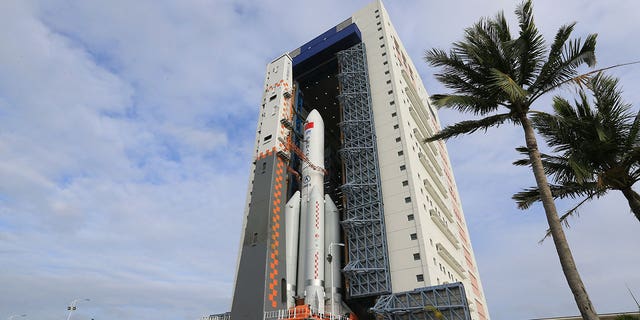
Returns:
(367,270)
(444,302)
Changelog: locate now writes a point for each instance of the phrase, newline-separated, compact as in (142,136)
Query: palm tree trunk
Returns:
(634,201)
(557,233)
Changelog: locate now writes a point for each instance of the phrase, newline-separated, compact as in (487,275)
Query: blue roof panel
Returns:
(331,37)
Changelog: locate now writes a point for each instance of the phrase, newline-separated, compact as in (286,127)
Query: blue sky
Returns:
(125,137)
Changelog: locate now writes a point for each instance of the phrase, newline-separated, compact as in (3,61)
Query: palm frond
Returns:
(508,86)
(556,129)
(574,211)
(470,126)
(555,54)
(524,199)
(530,46)
(471,104)
(453,64)
(563,69)
(554,166)
(465,79)
(499,23)
(571,212)
(633,142)
(582,80)
(485,48)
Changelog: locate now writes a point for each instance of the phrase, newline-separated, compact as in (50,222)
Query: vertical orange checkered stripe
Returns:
(275,233)
(287,113)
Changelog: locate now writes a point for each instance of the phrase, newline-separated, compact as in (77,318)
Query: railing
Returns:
(439,201)
(440,223)
(222,316)
(448,257)
(301,313)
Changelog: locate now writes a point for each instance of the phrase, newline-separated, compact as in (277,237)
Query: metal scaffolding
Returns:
(367,270)
(443,302)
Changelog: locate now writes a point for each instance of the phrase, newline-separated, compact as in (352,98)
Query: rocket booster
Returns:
(292,216)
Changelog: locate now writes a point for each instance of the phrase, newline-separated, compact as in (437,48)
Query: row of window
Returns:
(420,277)
(410,217)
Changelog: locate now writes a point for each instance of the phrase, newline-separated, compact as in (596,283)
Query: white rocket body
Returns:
(312,226)
(313,197)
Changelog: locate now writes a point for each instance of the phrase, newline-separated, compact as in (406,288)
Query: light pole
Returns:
(73,306)
(16,315)
(330,259)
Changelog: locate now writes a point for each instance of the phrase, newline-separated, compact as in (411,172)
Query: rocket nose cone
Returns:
(314,116)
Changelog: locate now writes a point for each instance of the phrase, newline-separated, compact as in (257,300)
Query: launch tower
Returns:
(348,209)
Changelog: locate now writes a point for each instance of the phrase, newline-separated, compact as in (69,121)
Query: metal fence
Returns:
(295,313)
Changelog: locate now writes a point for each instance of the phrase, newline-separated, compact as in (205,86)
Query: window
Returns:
(398,139)
(420,277)
(385,63)
(272,97)
(384,54)
(394,114)
(378,23)
(403,167)
(381,37)
(400,153)
(390,91)
(388,81)
(416,256)
(378,16)
(376,11)
(405,183)
(392,103)
(410,217)
(382,45)
(407,200)
(414,236)
(379,29)
(386,72)
(267,138)
(395,126)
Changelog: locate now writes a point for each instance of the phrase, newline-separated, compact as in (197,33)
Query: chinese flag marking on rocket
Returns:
(308,126)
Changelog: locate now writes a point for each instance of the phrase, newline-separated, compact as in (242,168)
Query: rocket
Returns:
(312,222)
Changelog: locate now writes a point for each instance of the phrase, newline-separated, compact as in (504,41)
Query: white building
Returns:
(401,214)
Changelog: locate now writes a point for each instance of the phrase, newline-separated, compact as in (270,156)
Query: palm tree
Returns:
(599,150)
(490,71)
